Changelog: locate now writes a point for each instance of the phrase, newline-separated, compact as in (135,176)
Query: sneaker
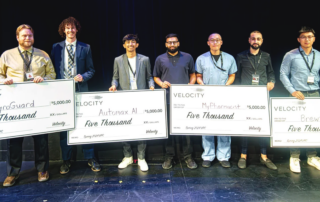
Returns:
(191,163)
(315,162)
(206,164)
(268,163)
(95,166)
(225,164)
(242,163)
(64,169)
(125,162)
(143,165)
(167,164)
(43,176)
(295,165)
(10,181)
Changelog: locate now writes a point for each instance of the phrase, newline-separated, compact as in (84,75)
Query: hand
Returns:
(152,88)
(37,79)
(8,81)
(78,78)
(270,86)
(113,88)
(165,84)
(298,95)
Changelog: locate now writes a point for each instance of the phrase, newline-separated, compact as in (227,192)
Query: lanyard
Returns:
(24,60)
(252,63)
(134,73)
(215,62)
(314,54)
(72,58)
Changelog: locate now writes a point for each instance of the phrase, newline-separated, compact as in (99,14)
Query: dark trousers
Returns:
(311,152)
(127,151)
(262,142)
(187,148)
(88,149)
(14,154)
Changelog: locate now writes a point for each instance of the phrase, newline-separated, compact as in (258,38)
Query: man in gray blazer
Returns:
(132,71)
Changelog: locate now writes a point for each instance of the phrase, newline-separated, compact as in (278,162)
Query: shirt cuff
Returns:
(291,90)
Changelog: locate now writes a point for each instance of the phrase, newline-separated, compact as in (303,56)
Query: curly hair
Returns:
(71,21)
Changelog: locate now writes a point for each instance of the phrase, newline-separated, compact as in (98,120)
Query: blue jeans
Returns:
(262,141)
(223,148)
(88,150)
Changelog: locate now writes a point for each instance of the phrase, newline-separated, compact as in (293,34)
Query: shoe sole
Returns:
(295,171)
(63,173)
(206,166)
(44,180)
(10,185)
(311,164)
(167,168)
(93,169)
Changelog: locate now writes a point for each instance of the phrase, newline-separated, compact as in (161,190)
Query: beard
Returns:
(173,50)
(255,47)
(26,44)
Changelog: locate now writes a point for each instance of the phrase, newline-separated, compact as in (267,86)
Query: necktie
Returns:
(26,57)
(70,61)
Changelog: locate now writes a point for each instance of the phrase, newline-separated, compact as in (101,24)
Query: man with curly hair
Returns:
(72,59)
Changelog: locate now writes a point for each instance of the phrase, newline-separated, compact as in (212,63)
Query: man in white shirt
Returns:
(132,71)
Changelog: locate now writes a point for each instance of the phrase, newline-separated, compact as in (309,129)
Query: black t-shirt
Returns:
(174,69)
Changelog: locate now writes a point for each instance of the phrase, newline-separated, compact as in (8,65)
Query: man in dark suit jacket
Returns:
(132,71)
(73,60)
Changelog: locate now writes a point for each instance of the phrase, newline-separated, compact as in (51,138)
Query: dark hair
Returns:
(256,31)
(172,35)
(305,29)
(130,37)
(71,21)
(215,33)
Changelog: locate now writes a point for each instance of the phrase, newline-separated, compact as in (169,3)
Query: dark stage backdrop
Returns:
(104,23)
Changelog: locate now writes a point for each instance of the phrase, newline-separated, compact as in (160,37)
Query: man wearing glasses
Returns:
(299,73)
(175,67)
(255,68)
(216,68)
(132,71)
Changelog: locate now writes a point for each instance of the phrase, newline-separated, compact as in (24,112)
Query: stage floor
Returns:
(256,183)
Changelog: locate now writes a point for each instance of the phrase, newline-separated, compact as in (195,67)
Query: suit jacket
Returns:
(121,78)
(83,60)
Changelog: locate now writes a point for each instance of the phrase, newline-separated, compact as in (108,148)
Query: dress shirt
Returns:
(210,73)
(133,64)
(246,70)
(66,55)
(294,71)
(12,65)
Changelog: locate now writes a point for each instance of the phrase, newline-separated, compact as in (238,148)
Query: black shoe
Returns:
(191,163)
(167,164)
(242,163)
(95,166)
(206,164)
(64,169)
(269,164)
(225,164)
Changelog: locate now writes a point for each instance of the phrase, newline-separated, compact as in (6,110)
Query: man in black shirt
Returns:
(255,68)
(175,67)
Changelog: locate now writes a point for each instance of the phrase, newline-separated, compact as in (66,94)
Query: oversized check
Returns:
(219,110)
(36,108)
(295,123)
(119,116)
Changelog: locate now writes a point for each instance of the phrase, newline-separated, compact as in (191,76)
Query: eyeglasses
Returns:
(172,42)
(306,37)
(215,40)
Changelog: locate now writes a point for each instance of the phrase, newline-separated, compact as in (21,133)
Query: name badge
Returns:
(310,80)
(29,76)
(133,85)
(255,79)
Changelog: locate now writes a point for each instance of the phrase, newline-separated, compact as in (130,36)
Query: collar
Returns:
(178,55)
(73,43)
(301,50)
(29,50)
(250,54)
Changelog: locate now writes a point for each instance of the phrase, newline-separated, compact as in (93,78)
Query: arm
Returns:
(192,75)
(193,78)
(50,74)
(89,67)
(3,71)
(157,72)
(199,71)
(199,79)
(238,74)
(232,72)
(149,76)
(231,79)
(270,75)
(115,78)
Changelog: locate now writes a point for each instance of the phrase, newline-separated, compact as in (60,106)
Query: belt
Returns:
(310,91)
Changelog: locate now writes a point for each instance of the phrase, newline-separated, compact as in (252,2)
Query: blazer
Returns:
(121,78)
(83,60)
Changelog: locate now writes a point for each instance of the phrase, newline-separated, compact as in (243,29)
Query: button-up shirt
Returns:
(66,55)
(294,71)
(12,65)
(246,70)
(210,73)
